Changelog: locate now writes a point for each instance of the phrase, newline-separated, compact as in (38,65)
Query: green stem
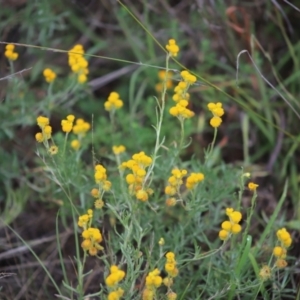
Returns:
(181,136)
(211,147)
(161,108)
(113,125)
(65,144)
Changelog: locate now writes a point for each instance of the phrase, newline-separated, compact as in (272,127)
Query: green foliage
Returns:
(131,229)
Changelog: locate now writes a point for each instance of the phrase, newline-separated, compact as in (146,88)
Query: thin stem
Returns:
(161,108)
(65,144)
(211,147)
(181,135)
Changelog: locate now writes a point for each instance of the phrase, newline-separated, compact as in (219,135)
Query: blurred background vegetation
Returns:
(260,129)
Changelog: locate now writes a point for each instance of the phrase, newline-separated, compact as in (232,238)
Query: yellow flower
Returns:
(171,201)
(153,280)
(53,150)
(9,52)
(106,185)
(47,132)
(172,47)
(95,193)
(115,276)
(142,195)
(223,234)
(99,203)
(115,295)
(235,216)
(188,77)
(218,112)
(170,265)
(39,137)
(279,252)
(215,122)
(113,102)
(265,273)
(118,149)
(193,180)
(181,112)
(226,225)
(78,64)
(162,75)
(231,226)
(167,281)
(284,237)
(42,121)
(81,127)
(281,263)
(161,241)
(49,75)
(148,294)
(67,124)
(93,234)
(252,186)
(75,144)
(83,221)
(171,296)
(236,228)
(82,78)
(138,164)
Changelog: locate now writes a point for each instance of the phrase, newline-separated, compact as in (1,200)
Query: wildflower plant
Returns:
(121,197)
(139,191)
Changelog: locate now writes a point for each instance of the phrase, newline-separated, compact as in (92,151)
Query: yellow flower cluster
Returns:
(117,150)
(135,180)
(85,220)
(252,186)
(176,180)
(172,47)
(231,226)
(80,129)
(188,77)
(153,281)
(218,112)
(113,102)
(99,203)
(91,236)
(284,237)
(181,97)
(9,52)
(67,124)
(112,281)
(280,251)
(170,265)
(193,180)
(49,75)
(101,178)
(45,134)
(78,64)
(115,295)
(104,185)
(115,276)
(43,123)
(163,75)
